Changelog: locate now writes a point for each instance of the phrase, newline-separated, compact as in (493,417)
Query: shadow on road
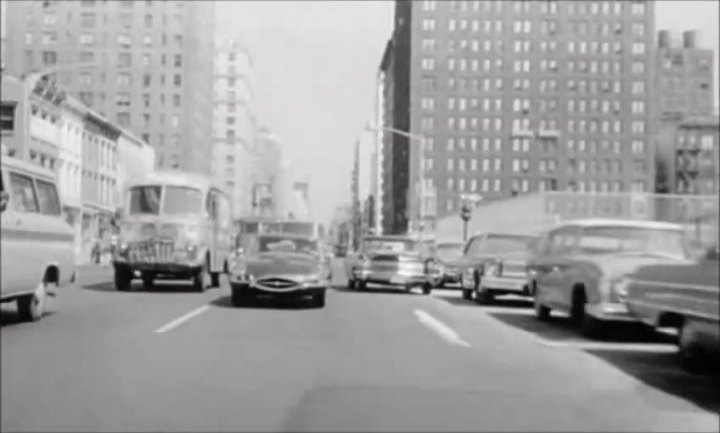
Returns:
(562,329)
(159,287)
(267,303)
(9,317)
(662,371)
(384,290)
(454,299)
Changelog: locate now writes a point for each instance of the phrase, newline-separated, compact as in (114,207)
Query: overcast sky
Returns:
(316,64)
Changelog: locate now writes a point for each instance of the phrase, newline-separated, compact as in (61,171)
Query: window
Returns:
(87,19)
(123,119)
(176,100)
(177,80)
(177,60)
(123,79)
(48,198)
(7,117)
(638,48)
(124,60)
(638,7)
(123,99)
(23,193)
(147,40)
(148,21)
(124,40)
(50,57)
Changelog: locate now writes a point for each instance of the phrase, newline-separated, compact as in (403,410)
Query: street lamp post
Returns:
(420,140)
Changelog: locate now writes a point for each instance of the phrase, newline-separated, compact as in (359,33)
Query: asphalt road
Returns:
(173,360)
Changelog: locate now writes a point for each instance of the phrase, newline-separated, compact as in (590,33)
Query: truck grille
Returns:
(152,251)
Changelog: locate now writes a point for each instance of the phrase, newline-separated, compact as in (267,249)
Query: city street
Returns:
(173,360)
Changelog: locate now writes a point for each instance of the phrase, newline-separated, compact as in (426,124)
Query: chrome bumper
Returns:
(391,278)
(611,312)
(510,284)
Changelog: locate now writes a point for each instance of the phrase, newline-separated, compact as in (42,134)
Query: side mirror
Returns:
(4,200)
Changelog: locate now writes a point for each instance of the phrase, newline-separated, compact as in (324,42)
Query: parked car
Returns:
(684,296)
(392,261)
(448,258)
(579,267)
(485,248)
(37,244)
(505,275)
(278,265)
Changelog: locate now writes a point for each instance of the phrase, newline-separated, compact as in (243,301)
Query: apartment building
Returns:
(234,123)
(513,97)
(683,75)
(149,66)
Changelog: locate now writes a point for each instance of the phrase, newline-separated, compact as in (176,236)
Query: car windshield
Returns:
(268,244)
(661,242)
(390,245)
(449,251)
(504,244)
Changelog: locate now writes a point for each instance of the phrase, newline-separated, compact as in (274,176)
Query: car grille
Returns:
(276,283)
(513,269)
(152,251)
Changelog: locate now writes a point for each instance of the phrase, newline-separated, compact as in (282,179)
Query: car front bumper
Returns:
(506,284)
(184,267)
(295,292)
(392,278)
(610,312)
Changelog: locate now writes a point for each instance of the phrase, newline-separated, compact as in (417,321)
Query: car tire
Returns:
(319,300)
(691,355)
(484,296)
(32,307)
(351,283)
(214,279)
(541,311)
(590,327)
(361,285)
(427,289)
(148,281)
(201,280)
(240,298)
(123,279)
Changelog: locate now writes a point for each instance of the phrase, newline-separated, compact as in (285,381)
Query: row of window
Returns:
(525,124)
(596,8)
(523,145)
(523,185)
(604,166)
(637,87)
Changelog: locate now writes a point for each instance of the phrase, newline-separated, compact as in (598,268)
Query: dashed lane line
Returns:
(445,332)
(182,319)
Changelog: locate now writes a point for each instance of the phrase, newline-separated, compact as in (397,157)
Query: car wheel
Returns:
(214,279)
(690,351)
(541,312)
(123,279)
(240,298)
(484,296)
(319,300)
(201,280)
(32,307)
(351,283)
(427,289)
(361,285)
(590,327)
(467,294)
(148,281)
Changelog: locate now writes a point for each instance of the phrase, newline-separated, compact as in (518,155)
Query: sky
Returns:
(316,64)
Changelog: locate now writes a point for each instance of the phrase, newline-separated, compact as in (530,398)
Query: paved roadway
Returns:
(379,361)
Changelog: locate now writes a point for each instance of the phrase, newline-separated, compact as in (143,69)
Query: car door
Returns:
(564,270)
(21,250)
(551,267)
(57,235)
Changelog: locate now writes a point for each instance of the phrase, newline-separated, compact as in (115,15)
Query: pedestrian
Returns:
(95,254)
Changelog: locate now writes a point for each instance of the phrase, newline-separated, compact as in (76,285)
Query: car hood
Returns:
(615,265)
(277,264)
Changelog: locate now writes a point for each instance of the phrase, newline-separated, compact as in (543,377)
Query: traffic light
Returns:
(465,213)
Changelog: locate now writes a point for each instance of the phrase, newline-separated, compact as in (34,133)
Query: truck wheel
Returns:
(32,307)
(201,280)
(123,279)
(148,281)
(215,279)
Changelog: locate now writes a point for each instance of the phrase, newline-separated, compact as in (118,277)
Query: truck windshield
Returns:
(177,200)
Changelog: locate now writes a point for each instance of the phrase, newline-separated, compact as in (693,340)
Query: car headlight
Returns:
(620,287)
(491,269)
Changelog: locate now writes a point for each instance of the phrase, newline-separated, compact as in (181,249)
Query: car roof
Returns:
(644,224)
(28,168)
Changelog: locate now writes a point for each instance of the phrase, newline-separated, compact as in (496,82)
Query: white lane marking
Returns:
(180,320)
(444,331)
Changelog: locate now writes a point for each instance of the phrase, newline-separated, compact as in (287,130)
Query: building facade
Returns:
(267,177)
(70,166)
(687,155)
(514,97)
(149,65)
(234,126)
(683,75)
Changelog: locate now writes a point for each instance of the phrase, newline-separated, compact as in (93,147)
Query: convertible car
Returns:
(280,266)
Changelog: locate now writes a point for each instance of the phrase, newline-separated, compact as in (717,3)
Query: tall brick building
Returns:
(515,97)
(152,66)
